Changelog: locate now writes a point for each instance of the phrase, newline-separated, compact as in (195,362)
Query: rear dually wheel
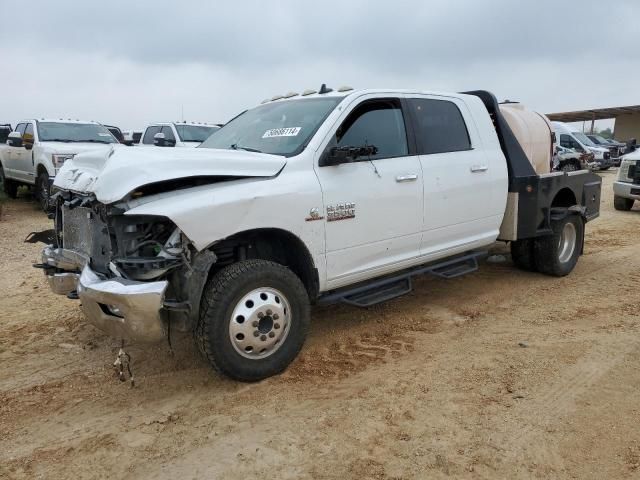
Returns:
(557,254)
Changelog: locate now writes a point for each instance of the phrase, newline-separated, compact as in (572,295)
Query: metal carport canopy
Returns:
(593,114)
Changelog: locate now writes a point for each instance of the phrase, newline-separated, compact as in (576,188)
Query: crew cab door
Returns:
(13,157)
(373,204)
(24,157)
(465,186)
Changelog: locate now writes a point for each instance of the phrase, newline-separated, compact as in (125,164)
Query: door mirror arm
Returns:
(347,154)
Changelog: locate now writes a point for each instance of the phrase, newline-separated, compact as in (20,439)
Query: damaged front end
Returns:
(135,275)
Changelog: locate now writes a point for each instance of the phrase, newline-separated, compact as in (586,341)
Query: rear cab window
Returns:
(440,126)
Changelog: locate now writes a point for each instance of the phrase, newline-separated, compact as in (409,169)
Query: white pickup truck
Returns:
(177,134)
(328,196)
(626,188)
(36,150)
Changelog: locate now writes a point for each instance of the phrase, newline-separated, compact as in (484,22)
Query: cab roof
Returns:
(195,124)
(60,120)
(344,92)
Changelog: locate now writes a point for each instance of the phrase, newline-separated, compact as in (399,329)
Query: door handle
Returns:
(406,178)
(479,168)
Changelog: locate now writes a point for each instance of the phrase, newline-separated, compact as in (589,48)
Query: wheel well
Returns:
(41,168)
(564,198)
(272,244)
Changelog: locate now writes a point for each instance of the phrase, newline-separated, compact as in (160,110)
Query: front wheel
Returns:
(43,191)
(254,318)
(557,254)
(623,204)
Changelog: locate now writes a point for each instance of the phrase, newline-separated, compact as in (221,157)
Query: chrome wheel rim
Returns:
(567,243)
(260,323)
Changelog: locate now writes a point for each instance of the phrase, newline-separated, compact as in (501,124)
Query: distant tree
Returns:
(606,133)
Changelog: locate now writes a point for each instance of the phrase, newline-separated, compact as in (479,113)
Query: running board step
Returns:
(457,269)
(383,289)
(379,294)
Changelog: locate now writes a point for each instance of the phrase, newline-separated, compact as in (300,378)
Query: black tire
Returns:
(9,186)
(550,254)
(623,204)
(522,254)
(42,191)
(605,168)
(224,293)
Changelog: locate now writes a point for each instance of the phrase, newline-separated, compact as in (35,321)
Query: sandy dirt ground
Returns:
(499,374)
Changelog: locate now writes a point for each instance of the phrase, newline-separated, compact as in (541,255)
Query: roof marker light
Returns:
(266,100)
(277,97)
(291,94)
(309,92)
(345,88)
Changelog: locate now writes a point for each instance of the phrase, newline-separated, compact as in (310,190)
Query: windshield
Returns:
(194,133)
(279,128)
(74,132)
(584,139)
(601,140)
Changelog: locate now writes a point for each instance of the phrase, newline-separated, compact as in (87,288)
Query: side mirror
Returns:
(338,155)
(557,149)
(14,139)
(159,139)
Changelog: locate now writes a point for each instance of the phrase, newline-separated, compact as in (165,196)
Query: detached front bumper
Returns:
(120,307)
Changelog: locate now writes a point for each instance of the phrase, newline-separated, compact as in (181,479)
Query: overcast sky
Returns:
(133,62)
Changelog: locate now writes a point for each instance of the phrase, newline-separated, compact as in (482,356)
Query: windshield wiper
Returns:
(65,140)
(235,146)
(91,140)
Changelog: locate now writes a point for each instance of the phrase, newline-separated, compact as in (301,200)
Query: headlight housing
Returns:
(623,171)
(58,159)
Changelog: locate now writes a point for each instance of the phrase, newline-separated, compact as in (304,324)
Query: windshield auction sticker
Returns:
(282,132)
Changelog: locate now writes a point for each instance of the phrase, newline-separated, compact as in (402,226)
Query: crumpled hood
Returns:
(112,174)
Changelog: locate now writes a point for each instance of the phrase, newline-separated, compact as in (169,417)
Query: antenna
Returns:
(182,110)
(324,89)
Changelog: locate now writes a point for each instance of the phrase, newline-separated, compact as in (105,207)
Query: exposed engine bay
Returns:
(133,247)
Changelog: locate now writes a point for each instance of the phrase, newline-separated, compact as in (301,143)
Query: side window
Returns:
(148,135)
(168,133)
(568,142)
(376,123)
(440,126)
(20,128)
(28,134)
